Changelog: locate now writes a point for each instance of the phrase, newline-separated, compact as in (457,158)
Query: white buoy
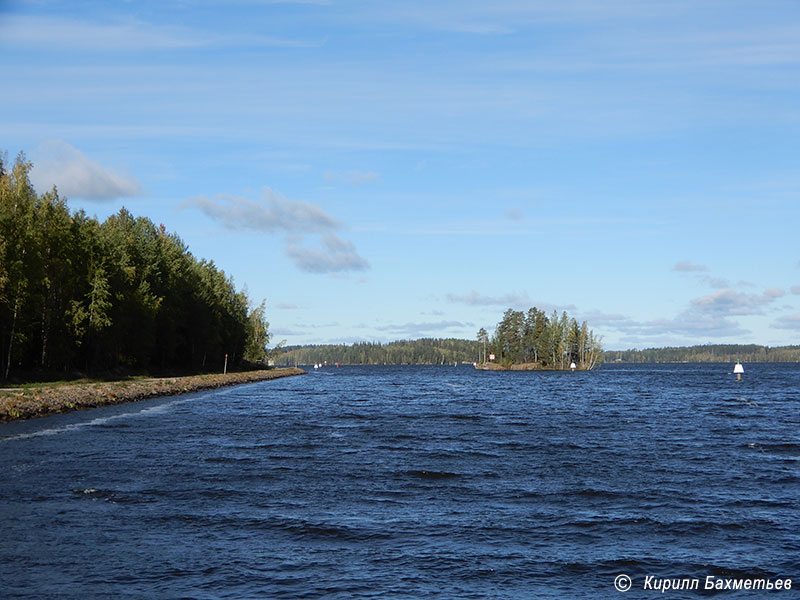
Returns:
(572,366)
(738,369)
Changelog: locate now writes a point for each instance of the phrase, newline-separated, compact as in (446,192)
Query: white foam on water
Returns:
(144,412)
(56,430)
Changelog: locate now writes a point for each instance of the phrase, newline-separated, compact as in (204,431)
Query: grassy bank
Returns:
(46,399)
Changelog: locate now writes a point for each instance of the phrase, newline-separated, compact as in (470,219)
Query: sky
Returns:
(403,169)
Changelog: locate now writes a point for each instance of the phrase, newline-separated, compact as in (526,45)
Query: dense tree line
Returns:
(79,295)
(426,351)
(708,353)
(548,342)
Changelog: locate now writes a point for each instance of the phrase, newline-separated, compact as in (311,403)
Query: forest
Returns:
(426,351)
(79,296)
(707,353)
(541,341)
(534,338)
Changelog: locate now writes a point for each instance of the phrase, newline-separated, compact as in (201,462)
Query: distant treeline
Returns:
(432,351)
(76,294)
(426,351)
(707,353)
(541,340)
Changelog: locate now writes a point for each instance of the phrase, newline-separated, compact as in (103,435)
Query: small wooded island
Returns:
(532,340)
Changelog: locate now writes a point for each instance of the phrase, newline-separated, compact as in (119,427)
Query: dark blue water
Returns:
(411,482)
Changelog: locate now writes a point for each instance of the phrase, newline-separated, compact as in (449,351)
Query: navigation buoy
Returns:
(738,369)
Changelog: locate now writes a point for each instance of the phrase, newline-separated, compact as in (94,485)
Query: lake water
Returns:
(412,482)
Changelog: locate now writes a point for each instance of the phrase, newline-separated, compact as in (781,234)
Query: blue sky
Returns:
(394,170)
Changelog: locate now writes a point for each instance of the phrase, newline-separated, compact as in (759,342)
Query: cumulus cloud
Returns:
(729,302)
(276,214)
(272,213)
(715,282)
(795,289)
(710,316)
(335,256)
(686,266)
(77,176)
(688,326)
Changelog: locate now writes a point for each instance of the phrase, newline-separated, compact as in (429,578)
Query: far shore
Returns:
(517,367)
(43,400)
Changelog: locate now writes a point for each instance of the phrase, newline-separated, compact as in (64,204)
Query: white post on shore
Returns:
(225,368)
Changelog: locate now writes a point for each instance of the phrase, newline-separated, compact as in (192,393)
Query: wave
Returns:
(784,448)
(425,474)
(64,428)
(95,494)
(296,527)
(101,421)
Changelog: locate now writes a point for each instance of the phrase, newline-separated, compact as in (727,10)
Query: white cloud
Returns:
(689,324)
(75,175)
(276,214)
(272,213)
(788,322)
(686,266)
(284,331)
(600,318)
(286,306)
(729,302)
(715,282)
(427,329)
(514,299)
(706,317)
(335,256)
(795,289)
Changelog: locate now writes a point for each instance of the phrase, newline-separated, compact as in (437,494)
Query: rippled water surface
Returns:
(411,482)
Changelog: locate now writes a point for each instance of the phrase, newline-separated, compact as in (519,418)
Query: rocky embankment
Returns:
(40,401)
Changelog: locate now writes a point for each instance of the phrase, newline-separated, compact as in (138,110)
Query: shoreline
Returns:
(521,367)
(27,403)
